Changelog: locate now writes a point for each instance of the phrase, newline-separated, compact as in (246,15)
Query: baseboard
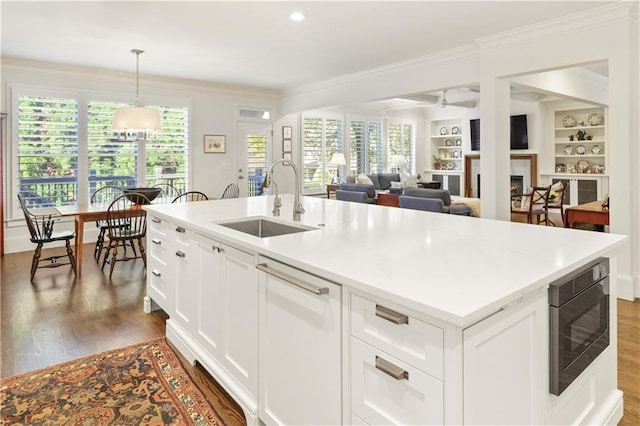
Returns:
(628,287)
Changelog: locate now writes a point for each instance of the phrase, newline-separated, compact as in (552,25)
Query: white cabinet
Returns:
(580,141)
(396,366)
(451,181)
(160,288)
(300,347)
(225,303)
(580,189)
(446,144)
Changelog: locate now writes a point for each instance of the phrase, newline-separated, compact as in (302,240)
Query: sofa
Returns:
(380,181)
(356,192)
(442,194)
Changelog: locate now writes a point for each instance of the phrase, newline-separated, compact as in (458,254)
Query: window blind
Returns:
(365,146)
(401,142)
(47,152)
(322,137)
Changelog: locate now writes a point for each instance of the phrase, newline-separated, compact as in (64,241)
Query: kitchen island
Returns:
(418,318)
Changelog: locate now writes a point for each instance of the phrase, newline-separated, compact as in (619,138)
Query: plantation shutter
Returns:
(321,139)
(366,146)
(167,153)
(111,161)
(47,135)
(256,153)
(312,157)
(401,141)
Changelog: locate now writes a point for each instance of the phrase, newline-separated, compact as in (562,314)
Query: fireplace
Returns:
(517,185)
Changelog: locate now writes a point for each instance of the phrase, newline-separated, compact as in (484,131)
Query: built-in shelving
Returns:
(580,141)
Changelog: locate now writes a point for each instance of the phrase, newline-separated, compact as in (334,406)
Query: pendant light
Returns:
(136,122)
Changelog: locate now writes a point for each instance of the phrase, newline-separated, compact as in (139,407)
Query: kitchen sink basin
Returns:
(264,228)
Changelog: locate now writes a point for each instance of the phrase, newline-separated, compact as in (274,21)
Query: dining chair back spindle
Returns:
(41,230)
(190,196)
(127,222)
(231,191)
(103,196)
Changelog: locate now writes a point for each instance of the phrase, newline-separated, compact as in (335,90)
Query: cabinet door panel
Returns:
(239,295)
(300,350)
(209,328)
(380,399)
(186,269)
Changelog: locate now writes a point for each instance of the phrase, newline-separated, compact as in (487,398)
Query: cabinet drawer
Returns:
(158,247)
(158,284)
(378,398)
(160,226)
(411,340)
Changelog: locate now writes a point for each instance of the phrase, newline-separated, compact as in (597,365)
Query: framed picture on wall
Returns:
(214,143)
(286,145)
(287,131)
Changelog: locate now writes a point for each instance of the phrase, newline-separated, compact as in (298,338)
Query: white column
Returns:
(495,105)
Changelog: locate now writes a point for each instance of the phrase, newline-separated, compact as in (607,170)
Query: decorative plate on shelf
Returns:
(581,149)
(458,142)
(450,166)
(595,149)
(444,131)
(569,121)
(594,119)
(447,142)
(456,154)
(568,150)
(455,130)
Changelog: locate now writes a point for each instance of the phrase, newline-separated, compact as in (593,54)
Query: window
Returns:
(321,138)
(54,167)
(47,151)
(401,147)
(167,154)
(257,143)
(365,154)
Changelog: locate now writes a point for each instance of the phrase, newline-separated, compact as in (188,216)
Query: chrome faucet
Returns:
(277,203)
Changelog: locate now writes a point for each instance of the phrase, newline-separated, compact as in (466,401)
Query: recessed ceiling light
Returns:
(296,16)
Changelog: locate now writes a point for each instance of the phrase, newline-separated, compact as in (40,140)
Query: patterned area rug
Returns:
(138,385)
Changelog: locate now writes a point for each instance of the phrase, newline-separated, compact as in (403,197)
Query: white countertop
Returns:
(455,268)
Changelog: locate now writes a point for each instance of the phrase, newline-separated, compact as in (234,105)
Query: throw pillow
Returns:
(526,199)
(411,181)
(397,184)
(364,179)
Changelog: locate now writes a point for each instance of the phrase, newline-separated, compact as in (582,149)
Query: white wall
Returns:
(213,110)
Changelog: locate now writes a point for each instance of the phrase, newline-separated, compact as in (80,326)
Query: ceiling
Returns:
(255,43)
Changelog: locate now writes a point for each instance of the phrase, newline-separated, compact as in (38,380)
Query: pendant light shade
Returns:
(136,120)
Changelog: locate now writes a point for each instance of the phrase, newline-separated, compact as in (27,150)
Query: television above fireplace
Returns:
(519,134)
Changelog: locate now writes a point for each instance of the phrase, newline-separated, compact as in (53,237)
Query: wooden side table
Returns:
(391,200)
(592,213)
(332,188)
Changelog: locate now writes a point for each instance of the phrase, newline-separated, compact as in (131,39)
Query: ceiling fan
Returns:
(443,102)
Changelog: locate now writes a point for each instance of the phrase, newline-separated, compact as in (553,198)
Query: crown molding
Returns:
(47,69)
(580,21)
(462,52)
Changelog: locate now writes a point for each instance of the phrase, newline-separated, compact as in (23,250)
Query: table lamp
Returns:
(337,160)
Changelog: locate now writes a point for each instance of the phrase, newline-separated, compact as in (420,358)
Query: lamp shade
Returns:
(136,118)
(338,159)
(397,161)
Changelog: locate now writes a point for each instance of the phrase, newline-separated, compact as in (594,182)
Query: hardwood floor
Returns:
(58,319)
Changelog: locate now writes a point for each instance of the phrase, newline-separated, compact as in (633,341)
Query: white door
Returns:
(254,146)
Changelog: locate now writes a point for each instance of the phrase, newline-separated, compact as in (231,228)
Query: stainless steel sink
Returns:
(264,228)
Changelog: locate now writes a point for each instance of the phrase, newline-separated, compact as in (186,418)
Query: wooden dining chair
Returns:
(103,196)
(231,191)
(190,196)
(557,203)
(41,230)
(533,204)
(127,222)
(168,194)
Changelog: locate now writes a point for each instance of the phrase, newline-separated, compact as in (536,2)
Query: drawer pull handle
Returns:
(390,315)
(180,253)
(180,229)
(291,280)
(156,242)
(391,369)
(156,220)
(156,273)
